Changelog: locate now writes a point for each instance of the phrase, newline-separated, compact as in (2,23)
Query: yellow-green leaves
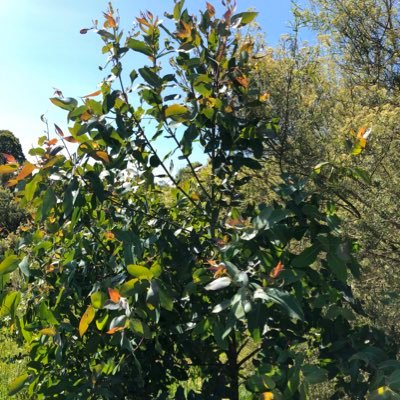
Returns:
(98,299)
(66,103)
(175,110)
(86,319)
(9,264)
(138,271)
(8,168)
(18,384)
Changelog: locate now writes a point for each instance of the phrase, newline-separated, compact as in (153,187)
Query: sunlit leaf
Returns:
(86,319)
(18,384)
(26,170)
(114,295)
(8,168)
(9,264)
(175,109)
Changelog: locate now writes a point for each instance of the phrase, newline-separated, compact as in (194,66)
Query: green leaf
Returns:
(166,300)
(46,314)
(282,298)
(337,266)
(314,374)
(150,77)
(9,304)
(244,18)
(48,202)
(306,257)
(370,355)
(101,322)
(140,272)
(66,103)
(18,384)
(139,46)
(98,299)
(127,289)
(175,109)
(394,380)
(9,264)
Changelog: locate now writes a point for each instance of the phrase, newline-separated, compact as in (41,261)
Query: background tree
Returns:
(9,144)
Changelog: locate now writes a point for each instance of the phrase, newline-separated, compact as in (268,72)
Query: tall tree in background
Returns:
(10,145)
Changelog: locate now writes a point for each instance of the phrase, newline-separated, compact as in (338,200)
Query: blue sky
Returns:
(42,49)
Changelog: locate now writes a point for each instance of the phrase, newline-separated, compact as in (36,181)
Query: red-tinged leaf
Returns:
(70,139)
(361,132)
(110,21)
(8,168)
(94,94)
(227,16)
(210,9)
(9,158)
(11,182)
(86,319)
(102,155)
(86,116)
(26,170)
(114,295)
(277,270)
(58,130)
(243,81)
(115,329)
(52,142)
(143,22)
(185,31)
(84,31)
(58,93)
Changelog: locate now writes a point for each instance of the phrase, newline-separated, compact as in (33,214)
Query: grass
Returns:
(12,364)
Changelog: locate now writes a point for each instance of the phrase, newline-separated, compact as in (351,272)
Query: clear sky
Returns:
(42,49)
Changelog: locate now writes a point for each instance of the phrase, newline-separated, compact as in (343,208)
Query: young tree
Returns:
(127,296)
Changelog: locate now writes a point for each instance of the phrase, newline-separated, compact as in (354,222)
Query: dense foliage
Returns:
(132,292)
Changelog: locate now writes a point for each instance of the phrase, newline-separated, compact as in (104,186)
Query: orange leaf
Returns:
(109,236)
(9,158)
(363,142)
(11,182)
(267,396)
(243,81)
(361,132)
(94,94)
(115,329)
(70,139)
(102,155)
(25,171)
(52,142)
(143,22)
(86,319)
(110,21)
(86,116)
(277,270)
(185,31)
(114,295)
